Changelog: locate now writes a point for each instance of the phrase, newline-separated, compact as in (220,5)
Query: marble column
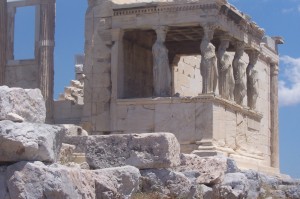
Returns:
(274,115)
(3,30)
(162,77)
(46,54)
(208,66)
(11,13)
(252,79)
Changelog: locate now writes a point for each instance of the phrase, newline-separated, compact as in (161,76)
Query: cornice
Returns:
(158,8)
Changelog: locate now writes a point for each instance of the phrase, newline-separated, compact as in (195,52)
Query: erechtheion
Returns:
(200,69)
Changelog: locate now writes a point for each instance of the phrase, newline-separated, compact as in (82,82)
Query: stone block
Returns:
(3,186)
(139,119)
(208,171)
(73,130)
(28,141)
(204,121)
(167,184)
(234,186)
(119,182)
(178,119)
(144,151)
(36,180)
(80,142)
(26,103)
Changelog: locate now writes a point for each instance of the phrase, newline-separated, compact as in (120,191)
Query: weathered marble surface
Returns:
(226,80)
(162,77)
(208,66)
(28,141)
(157,150)
(168,184)
(26,103)
(36,180)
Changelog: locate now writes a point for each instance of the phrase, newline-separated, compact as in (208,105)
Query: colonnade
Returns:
(234,78)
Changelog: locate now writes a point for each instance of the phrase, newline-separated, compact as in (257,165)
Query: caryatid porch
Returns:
(148,42)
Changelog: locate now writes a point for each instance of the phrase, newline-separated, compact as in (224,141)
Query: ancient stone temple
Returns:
(37,72)
(199,69)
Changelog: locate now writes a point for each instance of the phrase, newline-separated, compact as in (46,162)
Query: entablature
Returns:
(218,12)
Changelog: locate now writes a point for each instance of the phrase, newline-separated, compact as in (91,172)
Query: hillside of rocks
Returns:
(41,161)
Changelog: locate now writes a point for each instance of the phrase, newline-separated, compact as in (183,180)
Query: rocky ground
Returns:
(40,161)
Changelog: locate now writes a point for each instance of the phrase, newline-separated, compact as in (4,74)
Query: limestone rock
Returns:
(35,180)
(168,184)
(151,150)
(292,192)
(24,103)
(66,154)
(207,192)
(234,186)
(255,185)
(14,117)
(73,130)
(208,170)
(119,182)
(3,187)
(79,141)
(29,141)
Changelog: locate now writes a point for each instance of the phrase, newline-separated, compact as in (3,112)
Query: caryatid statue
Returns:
(161,69)
(252,88)
(239,73)
(226,79)
(252,74)
(208,66)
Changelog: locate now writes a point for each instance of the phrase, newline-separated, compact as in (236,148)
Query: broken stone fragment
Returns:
(29,142)
(144,151)
(17,103)
(38,181)
(168,184)
(73,130)
(3,186)
(14,117)
(234,186)
(207,170)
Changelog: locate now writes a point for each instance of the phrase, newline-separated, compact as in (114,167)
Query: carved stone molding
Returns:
(162,8)
(199,99)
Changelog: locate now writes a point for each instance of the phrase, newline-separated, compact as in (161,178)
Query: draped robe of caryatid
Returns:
(161,69)
(208,67)
(226,79)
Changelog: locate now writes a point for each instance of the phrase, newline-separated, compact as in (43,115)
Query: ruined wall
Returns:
(97,91)
(37,72)
(22,74)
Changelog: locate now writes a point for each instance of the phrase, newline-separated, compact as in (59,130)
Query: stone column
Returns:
(274,115)
(162,77)
(117,75)
(46,54)
(11,12)
(208,66)
(3,30)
